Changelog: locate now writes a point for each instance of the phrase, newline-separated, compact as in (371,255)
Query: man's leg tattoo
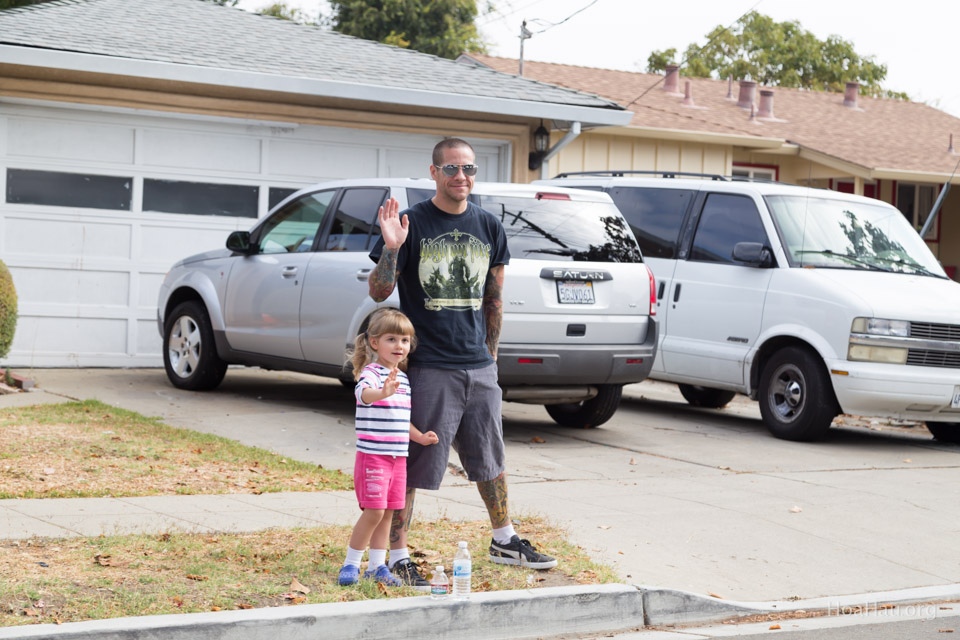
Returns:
(400,523)
(494,494)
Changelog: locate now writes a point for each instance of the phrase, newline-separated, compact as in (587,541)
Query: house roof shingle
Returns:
(203,34)
(882,134)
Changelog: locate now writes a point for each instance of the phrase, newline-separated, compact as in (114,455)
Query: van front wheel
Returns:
(705,396)
(796,398)
(589,413)
(945,431)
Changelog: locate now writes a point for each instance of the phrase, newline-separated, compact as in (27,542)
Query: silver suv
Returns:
(291,294)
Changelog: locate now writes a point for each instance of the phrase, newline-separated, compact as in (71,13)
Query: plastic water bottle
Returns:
(439,585)
(462,570)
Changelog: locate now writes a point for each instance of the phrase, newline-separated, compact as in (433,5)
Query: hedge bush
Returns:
(8,310)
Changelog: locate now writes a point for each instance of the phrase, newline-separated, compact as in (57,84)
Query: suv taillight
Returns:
(653,292)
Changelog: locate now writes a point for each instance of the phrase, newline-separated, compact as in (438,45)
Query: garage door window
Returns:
(200,198)
(68,189)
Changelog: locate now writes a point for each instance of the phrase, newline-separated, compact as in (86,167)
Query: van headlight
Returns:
(881,327)
(871,351)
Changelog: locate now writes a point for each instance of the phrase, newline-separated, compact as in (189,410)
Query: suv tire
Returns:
(706,397)
(796,399)
(945,431)
(189,350)
(589,413)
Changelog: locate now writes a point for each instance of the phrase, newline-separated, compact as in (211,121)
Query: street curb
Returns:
(496,615)
(674,607)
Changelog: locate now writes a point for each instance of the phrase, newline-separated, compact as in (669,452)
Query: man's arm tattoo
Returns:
(383,278)
(494,494)
(493,308)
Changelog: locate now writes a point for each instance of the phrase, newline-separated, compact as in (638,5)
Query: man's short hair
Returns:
(448,143)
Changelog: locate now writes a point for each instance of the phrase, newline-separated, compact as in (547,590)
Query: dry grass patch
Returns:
(70,580)
(90,449)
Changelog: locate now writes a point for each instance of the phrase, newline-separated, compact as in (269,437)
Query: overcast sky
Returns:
(917,40)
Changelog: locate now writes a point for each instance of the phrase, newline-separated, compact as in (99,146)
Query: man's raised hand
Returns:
(392,227)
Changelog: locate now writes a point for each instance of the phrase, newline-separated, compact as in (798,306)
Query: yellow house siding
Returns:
(598,152)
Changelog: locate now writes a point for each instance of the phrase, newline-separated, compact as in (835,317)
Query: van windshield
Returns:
(840,234)
(548,229)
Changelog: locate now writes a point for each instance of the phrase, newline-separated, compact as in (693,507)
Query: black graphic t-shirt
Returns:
(442,269)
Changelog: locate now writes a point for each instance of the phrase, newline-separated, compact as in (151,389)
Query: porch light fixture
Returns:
(541,141)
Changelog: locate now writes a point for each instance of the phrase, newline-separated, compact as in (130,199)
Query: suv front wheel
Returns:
(189,353)
(589,413)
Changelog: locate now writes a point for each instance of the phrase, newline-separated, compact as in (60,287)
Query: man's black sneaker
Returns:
(519,552)
(409,573)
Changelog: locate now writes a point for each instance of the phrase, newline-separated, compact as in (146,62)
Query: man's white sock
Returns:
(503,534)
(376,558)
(396,555)
(354,556)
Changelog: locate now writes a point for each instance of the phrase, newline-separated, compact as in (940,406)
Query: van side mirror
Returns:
(239,242)
(753,254)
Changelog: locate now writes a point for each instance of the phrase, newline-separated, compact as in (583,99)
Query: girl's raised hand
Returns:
(390,384)
(392,227)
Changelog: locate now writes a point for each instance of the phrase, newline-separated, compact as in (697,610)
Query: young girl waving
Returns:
(383,433)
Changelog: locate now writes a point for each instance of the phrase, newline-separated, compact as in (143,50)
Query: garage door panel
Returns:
(319,161)
(400,161)
(41,138)
(71,287)
(66,238)
(46,335)
(148,338)
(200,151)
(166,245)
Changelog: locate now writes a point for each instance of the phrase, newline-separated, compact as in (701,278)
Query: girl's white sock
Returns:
(503,534)
(396,555)
(354,556)
(376,558)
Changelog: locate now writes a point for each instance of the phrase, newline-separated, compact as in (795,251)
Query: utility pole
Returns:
(524,35)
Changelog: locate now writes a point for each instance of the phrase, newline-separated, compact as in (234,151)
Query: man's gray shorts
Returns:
(463,407)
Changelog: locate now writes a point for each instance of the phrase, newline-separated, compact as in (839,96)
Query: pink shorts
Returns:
(380,481)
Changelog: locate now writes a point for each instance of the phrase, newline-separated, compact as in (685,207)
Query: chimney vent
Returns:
(766,104)
(730,88)
(747,90)
(672,82)
(687,95)
(851,94)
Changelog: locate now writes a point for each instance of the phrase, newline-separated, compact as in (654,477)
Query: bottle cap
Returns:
(440,568)
(462,544)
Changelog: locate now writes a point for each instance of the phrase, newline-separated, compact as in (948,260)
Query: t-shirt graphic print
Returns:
(453,269)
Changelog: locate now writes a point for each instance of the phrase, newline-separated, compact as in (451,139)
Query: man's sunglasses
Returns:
(451,170)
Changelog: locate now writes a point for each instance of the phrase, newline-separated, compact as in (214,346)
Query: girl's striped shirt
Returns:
(383,428)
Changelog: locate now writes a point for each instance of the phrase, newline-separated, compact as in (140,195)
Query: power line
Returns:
(503,16)
(556,24)
(682,62)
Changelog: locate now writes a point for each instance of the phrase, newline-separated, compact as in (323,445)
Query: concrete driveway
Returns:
(673,496)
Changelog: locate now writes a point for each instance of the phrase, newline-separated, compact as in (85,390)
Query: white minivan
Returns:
(812,302)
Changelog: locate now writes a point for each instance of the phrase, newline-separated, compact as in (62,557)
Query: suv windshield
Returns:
(841,234)
(549,229)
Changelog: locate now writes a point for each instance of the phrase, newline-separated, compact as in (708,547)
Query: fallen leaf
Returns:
(907,460)
(382,588)
(774,627)
(283,461)
(633,461)
(244,606)
(215,608)
(296,586)
(887,606)
(795,509)
(603,526)
(714,595)
(198,578)
(944,630)
(31,612)
(537,439)
(103,560)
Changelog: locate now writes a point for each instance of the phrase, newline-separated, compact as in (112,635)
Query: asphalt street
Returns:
(699,500)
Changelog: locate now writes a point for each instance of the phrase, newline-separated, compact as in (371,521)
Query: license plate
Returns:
(575,292)
(955,403)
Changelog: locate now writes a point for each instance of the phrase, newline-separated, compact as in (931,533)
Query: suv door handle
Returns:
(676,292)
(663,286)
(288,272)
(363,274)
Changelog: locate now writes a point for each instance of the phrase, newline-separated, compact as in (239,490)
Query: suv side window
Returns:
(293,229)
(726,220)
(356,220)
(655,215)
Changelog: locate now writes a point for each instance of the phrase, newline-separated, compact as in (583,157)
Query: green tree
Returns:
(444,28)
(10,4)
(8,310)
(285,12)
(778,54)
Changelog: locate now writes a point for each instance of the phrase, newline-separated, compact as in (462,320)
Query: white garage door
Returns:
(100,203)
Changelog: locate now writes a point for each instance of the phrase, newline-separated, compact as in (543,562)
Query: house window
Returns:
(276,195)
(915,202)
(870,188)
(759,172)
(200,198)
(68,189)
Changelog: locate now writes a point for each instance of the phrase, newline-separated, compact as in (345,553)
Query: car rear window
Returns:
(549,229)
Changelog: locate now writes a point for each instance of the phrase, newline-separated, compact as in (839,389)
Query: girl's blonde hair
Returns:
(381,322)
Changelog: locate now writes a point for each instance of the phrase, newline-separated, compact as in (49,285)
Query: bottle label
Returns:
(438,589)
(461,570)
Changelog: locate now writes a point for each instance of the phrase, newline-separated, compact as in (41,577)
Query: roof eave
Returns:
(684,135)
(72,61)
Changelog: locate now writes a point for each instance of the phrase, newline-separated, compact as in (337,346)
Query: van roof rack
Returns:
(665,174)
